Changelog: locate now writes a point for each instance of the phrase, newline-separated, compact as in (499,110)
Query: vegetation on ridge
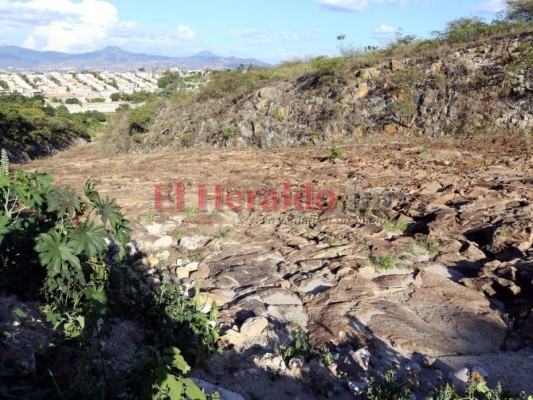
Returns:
(30,129)
(199,113)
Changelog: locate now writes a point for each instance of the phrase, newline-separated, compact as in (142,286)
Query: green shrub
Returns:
(465,30)
(334,153)
(140,118)
(72,100)
(386,262)
(30,129)
(388,388)
(406,78)
(405,109)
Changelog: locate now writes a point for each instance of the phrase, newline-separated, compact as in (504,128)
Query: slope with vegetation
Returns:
(413,86)
(30,129)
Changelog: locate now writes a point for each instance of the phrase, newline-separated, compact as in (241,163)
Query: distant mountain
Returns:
(111,58)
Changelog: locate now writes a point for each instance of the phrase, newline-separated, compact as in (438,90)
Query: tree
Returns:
(72,100)
(464,30)
(116,96)
(520,10)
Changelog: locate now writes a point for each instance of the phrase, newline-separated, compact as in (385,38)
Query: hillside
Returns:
(111,58)
(461,90)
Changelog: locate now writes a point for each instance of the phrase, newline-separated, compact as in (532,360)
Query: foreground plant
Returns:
(68,251)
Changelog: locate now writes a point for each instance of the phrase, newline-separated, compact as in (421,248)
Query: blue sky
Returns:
(272,31)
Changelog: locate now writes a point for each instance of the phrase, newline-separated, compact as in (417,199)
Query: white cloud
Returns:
(344,5)
(260,36)
(385,29)
(250,33)
(289,36)
(80,25)
(355,5)
(30,42)
(61,25)
(490,6)
(254,36)
(185,32)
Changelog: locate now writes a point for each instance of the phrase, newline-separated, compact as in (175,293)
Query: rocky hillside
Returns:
(466,90)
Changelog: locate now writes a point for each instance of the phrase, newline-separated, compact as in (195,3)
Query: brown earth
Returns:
(453,221)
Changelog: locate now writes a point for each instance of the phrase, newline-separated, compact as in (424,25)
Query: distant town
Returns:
(94,90)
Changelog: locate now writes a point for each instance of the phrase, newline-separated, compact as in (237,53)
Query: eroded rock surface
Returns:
(425,262)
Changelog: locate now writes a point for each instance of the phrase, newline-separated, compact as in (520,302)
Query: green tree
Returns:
(464,30)
(72,101)
(520,10)
(116,96)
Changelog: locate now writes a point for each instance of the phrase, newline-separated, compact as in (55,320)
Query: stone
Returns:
(362,358)
(316,285)
(429,362)
(164,255)
(367,272)
(186,270)
(153,281)
(211,389)
(358,388)
(254,326)
(430,188)
(189,243)
(362,91)
(154,229)
(203,270)
(297,362)
(413,367)
(459,379)
(163,243)
(272,362)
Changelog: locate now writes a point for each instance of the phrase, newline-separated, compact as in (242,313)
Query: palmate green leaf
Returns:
(90,192)
(122,232)
(54,251)
(109,211)
(64,201)
(88,239)
(43,181)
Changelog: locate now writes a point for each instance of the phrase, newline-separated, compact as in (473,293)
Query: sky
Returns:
(269,30)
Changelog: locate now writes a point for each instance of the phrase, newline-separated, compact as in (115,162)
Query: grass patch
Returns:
(395,226)
(386,262)
(222,233)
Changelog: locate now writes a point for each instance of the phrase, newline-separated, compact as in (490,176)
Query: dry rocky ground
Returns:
(425,266)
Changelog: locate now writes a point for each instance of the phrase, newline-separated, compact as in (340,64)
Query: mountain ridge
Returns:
(17,58)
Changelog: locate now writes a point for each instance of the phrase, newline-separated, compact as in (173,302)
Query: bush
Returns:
(72,100)
(465,30)
(334,153)
(28,129)
(140,119)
